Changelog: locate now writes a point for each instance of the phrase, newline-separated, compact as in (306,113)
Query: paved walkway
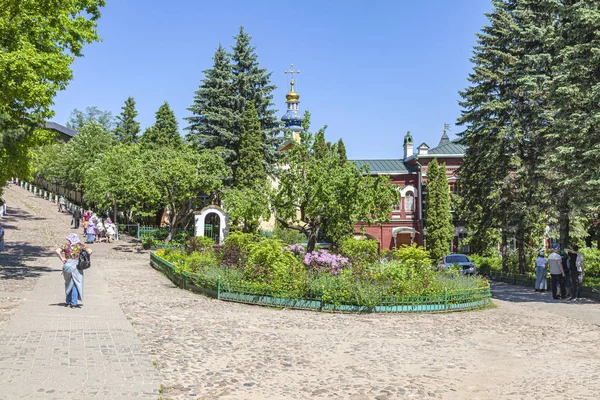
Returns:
(528,347)
(50,351)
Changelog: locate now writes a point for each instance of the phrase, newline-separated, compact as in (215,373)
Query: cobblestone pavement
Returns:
(527,347)
(48,351)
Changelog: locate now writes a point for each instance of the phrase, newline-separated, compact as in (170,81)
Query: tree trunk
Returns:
(312,240)
(504,250)
(521,249)
(563,219)
(172,228)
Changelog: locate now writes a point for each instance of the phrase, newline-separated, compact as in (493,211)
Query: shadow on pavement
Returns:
(18,262)
(520,294)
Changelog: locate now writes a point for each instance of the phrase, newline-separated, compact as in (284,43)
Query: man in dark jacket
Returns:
(76,217)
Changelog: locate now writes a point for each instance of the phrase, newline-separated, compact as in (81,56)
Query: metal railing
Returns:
(240,292)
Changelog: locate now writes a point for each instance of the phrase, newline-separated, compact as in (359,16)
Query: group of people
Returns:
(94,229)
(566,272)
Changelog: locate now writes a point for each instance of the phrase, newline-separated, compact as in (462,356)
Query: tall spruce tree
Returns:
(250,171)
(320,146)
(252,83)
(573,157)
(341,149)
(507,111)
(439,225)
(213,115)
(165,130)
(127,127)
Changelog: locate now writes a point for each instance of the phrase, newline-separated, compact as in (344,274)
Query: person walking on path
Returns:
(76,217)
(540,272)
(557,274)
(91,231)
(577,265)
(69,254)
(2,230)
(61,203)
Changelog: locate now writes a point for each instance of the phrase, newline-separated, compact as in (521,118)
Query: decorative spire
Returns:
(408,138)
(292,95)
(445,139)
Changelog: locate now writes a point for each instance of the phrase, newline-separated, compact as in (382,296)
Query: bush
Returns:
(487,265)
(199,244)
(591,261)
(359,251)
(234,253)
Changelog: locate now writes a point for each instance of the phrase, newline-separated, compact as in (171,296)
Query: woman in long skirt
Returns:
(541,268)
(69,256)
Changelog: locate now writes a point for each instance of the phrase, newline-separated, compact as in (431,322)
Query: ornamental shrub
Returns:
(298,250)
(323,261)
(199,244)
(487,265)
(359,251)
(591,259)
(269,262)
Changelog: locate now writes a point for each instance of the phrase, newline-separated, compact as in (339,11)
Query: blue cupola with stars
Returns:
(292,117)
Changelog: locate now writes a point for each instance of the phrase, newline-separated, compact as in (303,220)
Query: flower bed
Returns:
(263,271)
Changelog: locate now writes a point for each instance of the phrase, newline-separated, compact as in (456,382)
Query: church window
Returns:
(409,201)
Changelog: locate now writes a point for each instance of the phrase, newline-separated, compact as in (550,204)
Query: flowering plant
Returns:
(323,261)
(297,249)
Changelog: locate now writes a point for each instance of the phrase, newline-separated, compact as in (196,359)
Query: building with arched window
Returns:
(407,223)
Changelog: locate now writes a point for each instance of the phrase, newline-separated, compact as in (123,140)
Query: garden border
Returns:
(450,301)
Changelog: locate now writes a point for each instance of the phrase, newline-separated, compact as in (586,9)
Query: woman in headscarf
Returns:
(110,230)
(541,267)
(91,231)
(69,255)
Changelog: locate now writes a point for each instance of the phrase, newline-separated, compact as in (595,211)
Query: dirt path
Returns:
(527,347)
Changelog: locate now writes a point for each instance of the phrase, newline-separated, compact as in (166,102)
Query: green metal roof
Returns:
(384,166)
(452,147)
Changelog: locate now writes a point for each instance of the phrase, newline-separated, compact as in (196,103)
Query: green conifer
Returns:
(212,122)
(165,130)
(250,171)
(440,229)
(252,83)
(341,149)
(127,127)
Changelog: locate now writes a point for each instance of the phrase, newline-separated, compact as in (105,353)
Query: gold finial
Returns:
(292,96)
(446,127)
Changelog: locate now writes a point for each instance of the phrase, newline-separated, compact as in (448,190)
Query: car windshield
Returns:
(456,258)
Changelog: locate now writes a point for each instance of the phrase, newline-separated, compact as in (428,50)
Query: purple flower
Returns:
(297,249)
(323,261)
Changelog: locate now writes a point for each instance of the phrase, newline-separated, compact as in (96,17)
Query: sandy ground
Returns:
(528,347)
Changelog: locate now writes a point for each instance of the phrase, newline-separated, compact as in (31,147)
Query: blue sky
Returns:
(370,70)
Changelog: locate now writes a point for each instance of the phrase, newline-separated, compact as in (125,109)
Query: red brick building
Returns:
(407,223)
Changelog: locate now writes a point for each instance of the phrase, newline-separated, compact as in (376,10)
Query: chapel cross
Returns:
(446,127)
(292,72)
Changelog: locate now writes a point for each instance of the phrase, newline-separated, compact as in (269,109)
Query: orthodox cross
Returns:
(292,72)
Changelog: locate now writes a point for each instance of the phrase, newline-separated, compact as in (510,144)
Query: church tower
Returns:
(292,117)
(408,145)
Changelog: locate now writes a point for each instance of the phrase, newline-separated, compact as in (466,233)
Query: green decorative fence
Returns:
(242,293)
(592,292)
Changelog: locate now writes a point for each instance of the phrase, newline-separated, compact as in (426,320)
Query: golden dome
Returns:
(292,95)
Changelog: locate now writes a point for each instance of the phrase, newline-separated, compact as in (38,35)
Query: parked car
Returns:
(462,262)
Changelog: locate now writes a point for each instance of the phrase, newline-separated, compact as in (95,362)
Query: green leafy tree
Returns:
(79,118)
(127,128)
(177,176)
(38,43)
(316,194)
(320,146)
(246,206)
(80,153)
(440,230)
(164,132)
(252,83)
(250,169)
(212,122)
